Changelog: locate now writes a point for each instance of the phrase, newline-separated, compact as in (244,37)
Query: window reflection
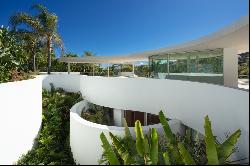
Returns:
(201,66)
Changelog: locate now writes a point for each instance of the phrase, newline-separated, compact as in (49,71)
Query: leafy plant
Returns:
(98,114)
(146,151)
(13,60)
(178,150)
(111,156)
(215,152)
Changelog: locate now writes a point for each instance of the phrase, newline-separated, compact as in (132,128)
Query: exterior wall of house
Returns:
(227,108)
(198,66)
(20,117)
(230,67)
(85,136)
(118,117)
(187,101)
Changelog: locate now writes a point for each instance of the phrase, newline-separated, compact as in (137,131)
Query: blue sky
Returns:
(117,27)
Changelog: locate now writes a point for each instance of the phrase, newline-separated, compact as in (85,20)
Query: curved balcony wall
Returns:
(69,82)
(190,102)
(85,135)
(20,117)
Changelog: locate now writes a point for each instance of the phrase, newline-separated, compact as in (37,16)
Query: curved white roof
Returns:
(236,35)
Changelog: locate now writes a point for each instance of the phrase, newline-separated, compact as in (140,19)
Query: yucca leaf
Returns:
(166,158)
(211,150)
(146,145)
(111,156)
(122,151)
(188,135)
(175,155)
(129,138)
(154,147)
(226,148)
(127,131)
(166,127)
(188,160)
(139,139)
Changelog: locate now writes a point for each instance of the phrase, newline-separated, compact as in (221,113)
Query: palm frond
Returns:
(58,42)
(88,53)
(40,8)
(24,18)
(46,18)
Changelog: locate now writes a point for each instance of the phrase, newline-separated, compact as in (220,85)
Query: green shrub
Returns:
(13,58)
(98,114)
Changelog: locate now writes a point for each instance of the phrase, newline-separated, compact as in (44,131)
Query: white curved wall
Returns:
(21,110)
(20,117)
(69,82)
(45,73)
(85,136)
(190,102)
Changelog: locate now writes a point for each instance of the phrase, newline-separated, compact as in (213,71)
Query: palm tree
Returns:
(88,53)
(31,43)
(88,67)
(44,25)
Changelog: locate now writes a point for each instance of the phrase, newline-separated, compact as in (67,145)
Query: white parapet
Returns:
(20,117)
(85,140)
(69,82)
(189,102)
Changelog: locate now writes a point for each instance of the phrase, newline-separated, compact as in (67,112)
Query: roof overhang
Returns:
(98,60)
(234,36)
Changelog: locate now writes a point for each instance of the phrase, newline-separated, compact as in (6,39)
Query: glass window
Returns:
(210,62)
(177,63)
(202,66)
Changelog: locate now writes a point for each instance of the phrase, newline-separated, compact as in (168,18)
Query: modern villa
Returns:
(212,59)
(186,81)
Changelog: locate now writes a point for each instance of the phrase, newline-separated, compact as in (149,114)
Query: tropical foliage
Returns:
(30,44)
(43,28)
(98,114)
(13,60)
(51,147)
(244,65)
(145,149)
(244,69)
(142,70)
(25,47)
